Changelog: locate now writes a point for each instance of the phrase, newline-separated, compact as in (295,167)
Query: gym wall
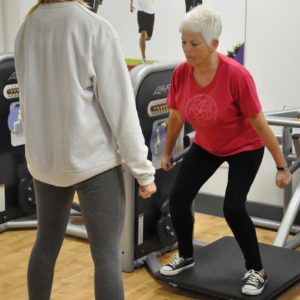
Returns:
(166,41)
(9,24)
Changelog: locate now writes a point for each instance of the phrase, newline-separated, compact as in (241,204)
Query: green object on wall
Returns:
(135,62)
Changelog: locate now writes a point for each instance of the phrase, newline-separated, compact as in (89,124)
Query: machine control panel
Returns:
(11,91)
(157,108)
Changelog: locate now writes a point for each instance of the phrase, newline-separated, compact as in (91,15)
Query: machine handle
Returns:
(188,139)
(295,166)
(187,142)
(180,156)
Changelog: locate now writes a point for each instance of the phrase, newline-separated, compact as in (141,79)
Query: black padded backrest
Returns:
(13,165)
(9,93)
(12,157)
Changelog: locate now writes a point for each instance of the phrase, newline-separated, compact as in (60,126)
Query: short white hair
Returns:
(204,20)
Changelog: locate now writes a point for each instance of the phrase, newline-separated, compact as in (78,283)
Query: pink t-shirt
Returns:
(220,111)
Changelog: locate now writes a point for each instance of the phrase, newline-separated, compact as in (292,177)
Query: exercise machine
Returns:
(288,120)
(17,200)
(17,197)
(148,226)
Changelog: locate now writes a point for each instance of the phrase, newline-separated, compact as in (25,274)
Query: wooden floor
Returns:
(74,271)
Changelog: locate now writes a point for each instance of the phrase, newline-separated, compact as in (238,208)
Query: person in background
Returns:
(218,97)
(145,17)
(94,4)
(80,123)
(190,4)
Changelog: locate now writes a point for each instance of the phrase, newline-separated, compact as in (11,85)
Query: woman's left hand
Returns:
(283,178)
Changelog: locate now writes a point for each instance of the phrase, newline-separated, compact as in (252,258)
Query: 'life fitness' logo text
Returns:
(162,89)
(13,76)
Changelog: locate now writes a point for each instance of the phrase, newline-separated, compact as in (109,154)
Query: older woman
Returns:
(217,96)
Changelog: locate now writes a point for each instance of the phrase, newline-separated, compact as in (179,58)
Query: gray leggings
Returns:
(103,205)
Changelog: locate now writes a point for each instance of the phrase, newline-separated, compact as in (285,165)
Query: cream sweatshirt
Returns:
(77,102)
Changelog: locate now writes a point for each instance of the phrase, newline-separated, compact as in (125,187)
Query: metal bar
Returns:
(18,223)
(296,141)
(76,230)
(128,230)
(199,244)
(287,150)
(288,219)
(277,121)
(295,166)
(293,243)
(270,224)
(291,158)
(153,263)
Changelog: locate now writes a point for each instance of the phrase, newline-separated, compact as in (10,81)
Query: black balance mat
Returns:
(220,267)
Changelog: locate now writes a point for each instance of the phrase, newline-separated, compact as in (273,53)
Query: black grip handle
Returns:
(187,143)
(178,157)
(293,168)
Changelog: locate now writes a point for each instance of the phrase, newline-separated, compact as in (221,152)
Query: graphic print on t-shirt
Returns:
(201,110)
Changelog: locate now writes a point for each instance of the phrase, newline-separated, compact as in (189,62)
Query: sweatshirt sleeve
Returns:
(114,92)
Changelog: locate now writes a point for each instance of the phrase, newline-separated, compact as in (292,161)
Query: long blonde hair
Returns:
(54,1)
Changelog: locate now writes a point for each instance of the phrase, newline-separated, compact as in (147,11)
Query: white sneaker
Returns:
(253,283)
(176,265)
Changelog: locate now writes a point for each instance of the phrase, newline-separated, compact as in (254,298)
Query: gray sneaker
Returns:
(176,265)
(253,283)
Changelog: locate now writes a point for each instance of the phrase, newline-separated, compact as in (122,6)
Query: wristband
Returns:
(282,168)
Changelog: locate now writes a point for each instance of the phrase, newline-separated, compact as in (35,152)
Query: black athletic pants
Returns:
(197,167)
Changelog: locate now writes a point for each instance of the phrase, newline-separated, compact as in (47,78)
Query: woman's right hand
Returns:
(166,163)
(147,191)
